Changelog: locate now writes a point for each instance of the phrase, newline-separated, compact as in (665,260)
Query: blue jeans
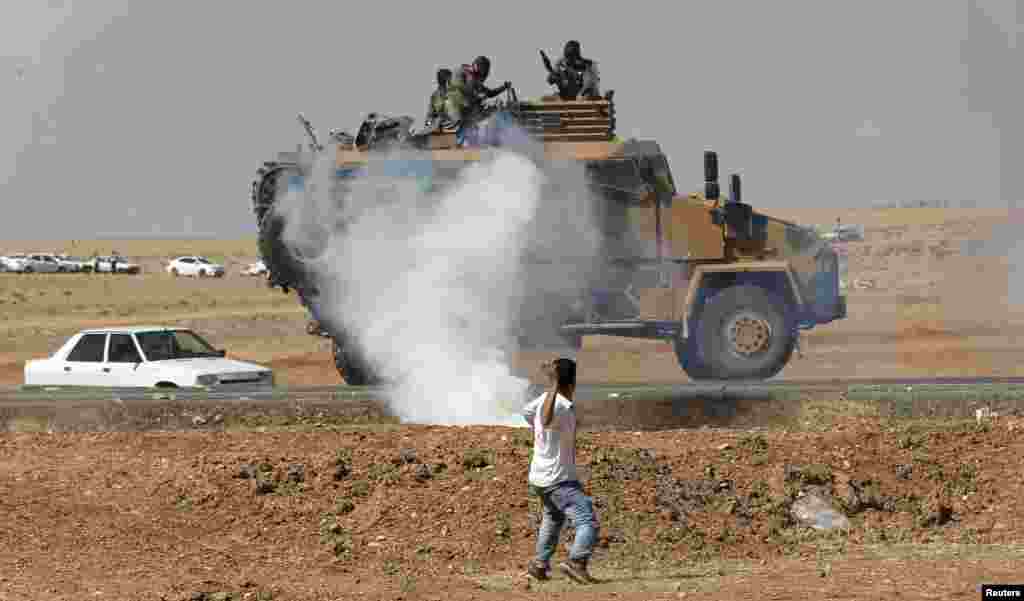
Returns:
(566,499)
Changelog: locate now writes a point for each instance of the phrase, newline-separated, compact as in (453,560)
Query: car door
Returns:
(83,366)
(123,361)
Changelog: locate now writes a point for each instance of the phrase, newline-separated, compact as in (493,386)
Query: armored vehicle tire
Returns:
(353,369)
(744,332)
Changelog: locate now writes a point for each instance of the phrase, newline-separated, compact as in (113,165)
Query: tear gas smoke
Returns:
(436,286)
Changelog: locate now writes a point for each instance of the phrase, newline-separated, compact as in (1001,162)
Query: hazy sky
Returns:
(135,117)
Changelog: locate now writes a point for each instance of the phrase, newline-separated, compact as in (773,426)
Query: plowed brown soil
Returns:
(684,514)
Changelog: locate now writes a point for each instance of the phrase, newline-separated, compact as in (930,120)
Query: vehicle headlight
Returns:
(207,380)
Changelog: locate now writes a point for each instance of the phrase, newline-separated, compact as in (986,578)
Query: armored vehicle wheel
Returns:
(353,368)
(744,332)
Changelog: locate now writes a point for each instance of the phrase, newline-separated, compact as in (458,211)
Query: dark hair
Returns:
(564,372)
(443,75)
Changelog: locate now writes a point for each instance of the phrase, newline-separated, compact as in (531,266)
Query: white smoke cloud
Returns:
(433,286)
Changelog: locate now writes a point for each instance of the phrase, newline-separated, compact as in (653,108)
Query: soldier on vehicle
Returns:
(466,95)
(573,74)
(437,113)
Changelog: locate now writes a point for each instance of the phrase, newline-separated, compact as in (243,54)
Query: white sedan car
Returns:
(115,264)
(42,263)
(257,268)
(15,262)
(195,266)
(133,357)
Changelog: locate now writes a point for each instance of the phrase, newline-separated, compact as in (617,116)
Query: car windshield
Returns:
(174,344)
(201,260)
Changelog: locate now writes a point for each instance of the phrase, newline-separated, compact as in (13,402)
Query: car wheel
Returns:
(28,269)
(202,273)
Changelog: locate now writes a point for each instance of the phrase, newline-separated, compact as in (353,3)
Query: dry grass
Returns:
(58,300)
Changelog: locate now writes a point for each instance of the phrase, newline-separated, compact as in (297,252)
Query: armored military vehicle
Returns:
(730,287)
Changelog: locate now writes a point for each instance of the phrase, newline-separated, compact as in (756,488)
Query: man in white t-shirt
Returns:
(553,477)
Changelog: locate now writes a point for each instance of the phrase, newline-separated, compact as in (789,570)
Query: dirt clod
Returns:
(405,456)
(341,472)
(866,494)
(477,458)
(296,473)
(264,484)
(247,470)
(681,497)
(936,510)
(423,472)
(814,474)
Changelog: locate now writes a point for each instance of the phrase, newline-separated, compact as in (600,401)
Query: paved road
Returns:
(589,392)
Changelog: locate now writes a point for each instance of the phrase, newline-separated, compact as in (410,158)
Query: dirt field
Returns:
(398,512)
(330,509)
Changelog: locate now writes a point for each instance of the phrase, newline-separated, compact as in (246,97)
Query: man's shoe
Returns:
(537,570)
(577,570)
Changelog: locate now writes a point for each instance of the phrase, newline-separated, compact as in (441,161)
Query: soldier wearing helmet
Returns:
(582,72)
(467,92)
(437,114)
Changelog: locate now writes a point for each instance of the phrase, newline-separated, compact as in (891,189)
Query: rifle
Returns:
(314,143)
(547,63)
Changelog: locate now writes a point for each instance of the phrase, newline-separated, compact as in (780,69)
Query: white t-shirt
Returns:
(554,447)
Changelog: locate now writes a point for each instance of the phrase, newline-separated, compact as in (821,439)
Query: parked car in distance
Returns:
(257,268)
(195,266)
(75,264)
(143,357)
(114,264)
(42,263)
(14,262)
